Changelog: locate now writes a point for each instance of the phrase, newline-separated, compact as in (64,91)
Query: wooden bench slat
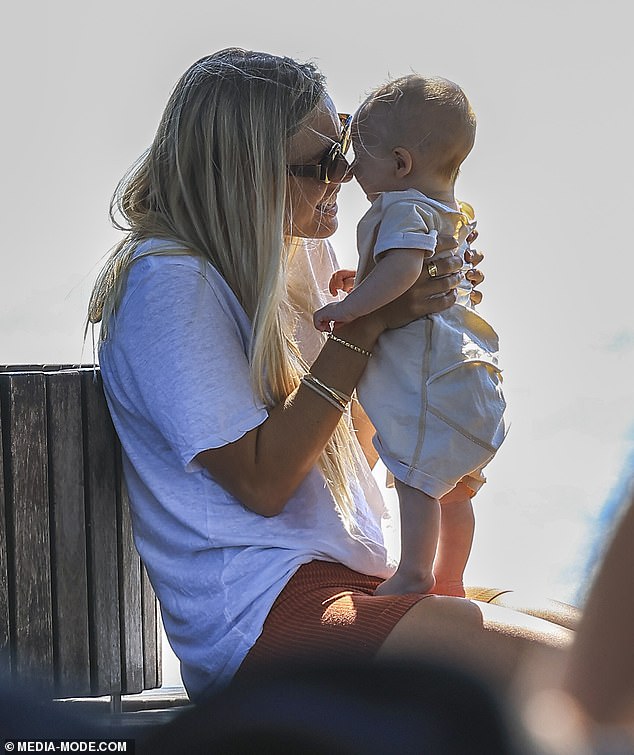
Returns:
(131,600)
(68,526)
(5,637)
(152,645)
(28,529)
(78,615)
(99,449)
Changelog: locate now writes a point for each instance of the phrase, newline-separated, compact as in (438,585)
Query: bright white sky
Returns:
(84,85)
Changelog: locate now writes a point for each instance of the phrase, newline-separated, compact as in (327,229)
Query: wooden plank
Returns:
(152,638)
(68,534)
(158,638)
(28,530)
(130,595)
(101,506)
(21,368)
(5,654)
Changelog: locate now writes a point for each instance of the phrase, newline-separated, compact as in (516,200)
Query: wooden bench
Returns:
(78,616)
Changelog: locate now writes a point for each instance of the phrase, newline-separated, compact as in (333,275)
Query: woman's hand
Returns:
(433,292)
(474,276)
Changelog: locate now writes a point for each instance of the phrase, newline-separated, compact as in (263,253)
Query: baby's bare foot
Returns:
(400,584)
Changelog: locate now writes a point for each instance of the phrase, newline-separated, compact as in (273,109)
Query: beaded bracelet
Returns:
(349,345)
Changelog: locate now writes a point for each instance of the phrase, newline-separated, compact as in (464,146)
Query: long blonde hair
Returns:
(214,183)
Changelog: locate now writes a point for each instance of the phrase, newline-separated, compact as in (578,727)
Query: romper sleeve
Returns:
(406,224)
(180,342)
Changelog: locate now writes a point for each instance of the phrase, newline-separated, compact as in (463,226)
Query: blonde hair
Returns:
(214,183)
(430,114)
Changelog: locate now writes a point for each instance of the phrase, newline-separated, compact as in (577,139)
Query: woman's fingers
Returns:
(430,294)
(442,267)
(445,286)
(475,296)
(472,236)
(475,276)
(438,303)
(474,257)
(445,243)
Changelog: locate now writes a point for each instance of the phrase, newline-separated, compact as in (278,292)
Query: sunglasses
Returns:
(333,167)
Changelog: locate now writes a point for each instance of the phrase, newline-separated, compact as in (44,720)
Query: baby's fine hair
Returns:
(430,114)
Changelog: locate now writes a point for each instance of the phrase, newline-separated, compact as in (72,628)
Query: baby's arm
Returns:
(342,280)
(396,271)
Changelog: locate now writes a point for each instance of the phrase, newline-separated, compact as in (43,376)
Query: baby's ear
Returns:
(403,161)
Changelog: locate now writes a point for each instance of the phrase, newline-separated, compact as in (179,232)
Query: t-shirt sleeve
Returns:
(184,340)
(406,225)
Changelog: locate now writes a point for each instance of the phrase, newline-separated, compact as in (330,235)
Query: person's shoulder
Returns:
(165,271)
(405,196)
(154,259)
(156,254)
(408,209)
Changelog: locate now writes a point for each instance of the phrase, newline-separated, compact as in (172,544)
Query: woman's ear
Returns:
(403,161)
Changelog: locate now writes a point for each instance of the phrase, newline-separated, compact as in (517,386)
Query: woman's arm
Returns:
(266,465)
(475,275)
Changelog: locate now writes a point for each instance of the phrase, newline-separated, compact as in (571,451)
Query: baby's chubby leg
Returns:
(457,526)
(420,524)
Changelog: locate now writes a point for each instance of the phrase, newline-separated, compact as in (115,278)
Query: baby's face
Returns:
(373,165)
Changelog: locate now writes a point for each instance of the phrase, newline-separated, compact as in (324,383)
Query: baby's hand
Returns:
(342,280)
(324,316)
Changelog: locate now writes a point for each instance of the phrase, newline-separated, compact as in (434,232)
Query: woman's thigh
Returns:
(489,639)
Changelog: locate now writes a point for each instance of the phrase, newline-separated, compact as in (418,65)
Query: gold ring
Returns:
(432,270)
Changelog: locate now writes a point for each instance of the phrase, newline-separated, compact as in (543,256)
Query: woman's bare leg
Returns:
(486,639)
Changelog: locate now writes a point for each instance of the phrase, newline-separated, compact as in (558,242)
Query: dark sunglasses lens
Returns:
(337,167)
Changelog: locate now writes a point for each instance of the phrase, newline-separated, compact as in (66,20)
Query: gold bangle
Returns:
(339,394)
(349,345)
(340,399)
(325,393)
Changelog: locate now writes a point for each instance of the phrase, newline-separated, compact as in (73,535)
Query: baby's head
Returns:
(413,132)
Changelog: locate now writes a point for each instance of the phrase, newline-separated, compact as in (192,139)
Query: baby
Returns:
(433,388)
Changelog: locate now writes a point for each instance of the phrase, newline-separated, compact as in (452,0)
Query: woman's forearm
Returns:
(264,467)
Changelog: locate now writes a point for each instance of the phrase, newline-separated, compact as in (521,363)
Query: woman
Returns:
(252,509)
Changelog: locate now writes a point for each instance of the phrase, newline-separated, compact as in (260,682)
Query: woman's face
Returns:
(313,203)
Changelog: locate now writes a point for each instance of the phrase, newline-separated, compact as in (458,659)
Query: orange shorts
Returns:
(326,612)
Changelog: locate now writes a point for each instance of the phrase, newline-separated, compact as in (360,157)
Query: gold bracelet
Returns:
(358,349)
(340,399)
(339,394)
(326,394)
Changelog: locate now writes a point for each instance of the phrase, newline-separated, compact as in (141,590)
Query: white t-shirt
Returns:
(176,377)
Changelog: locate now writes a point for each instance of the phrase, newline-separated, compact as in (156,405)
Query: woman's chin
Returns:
(323,224)
(326,223)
